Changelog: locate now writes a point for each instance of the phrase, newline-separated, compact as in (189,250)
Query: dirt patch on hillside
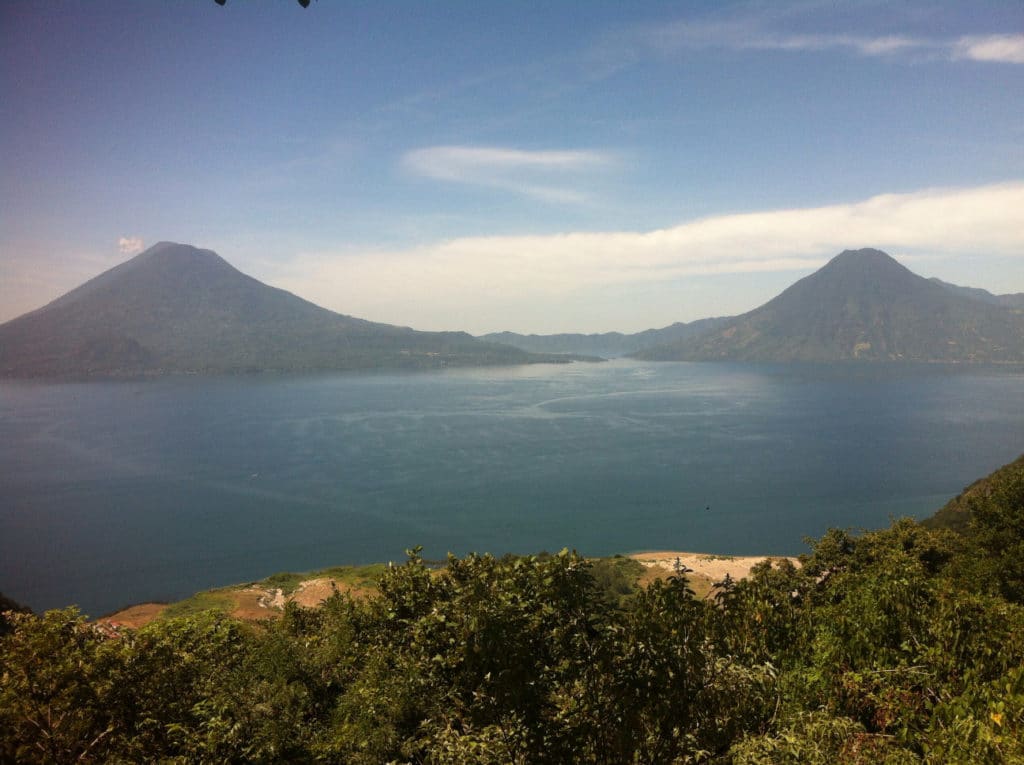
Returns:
(251,603)
(256,603)
(134,617)
(704,570)
(313,592)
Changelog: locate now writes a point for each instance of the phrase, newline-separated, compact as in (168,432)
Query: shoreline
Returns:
(254,601)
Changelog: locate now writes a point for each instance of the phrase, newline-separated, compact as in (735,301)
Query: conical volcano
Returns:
(861,305)
(177,309)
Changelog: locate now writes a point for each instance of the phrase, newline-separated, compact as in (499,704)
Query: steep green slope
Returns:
(956,514)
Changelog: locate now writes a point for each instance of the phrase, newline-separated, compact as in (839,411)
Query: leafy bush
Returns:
(881,648)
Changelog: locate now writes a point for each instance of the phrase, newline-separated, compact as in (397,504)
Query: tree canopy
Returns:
(902,645)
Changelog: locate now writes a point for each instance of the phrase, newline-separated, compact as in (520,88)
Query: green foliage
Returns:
(816,738)
(881,648)
(357,576)
(985,724)
(956,514)
(211,600)
(989,518)
(480,648)
(55,691)
(7,608)
(996,533)
(659,692)
(286,581)
(616,579)
(763,618)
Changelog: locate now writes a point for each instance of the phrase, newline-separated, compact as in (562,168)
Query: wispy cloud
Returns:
(545,175)
(493,277)
(865,46)
(751,34)
(130,245)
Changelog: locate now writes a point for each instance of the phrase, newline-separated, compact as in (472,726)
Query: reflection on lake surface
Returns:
(112,493)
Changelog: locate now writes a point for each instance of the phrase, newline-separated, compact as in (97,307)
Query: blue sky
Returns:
(539,167)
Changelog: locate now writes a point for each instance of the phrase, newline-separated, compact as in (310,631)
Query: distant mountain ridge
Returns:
(177,309)
(605,344)
(1015,300)
(862,305)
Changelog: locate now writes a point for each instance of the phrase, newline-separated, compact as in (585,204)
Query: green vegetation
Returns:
(223,601)
(989,516)
(956,514)
(616,579)
(354,576)
(210,600)
(904,645)
(8,605)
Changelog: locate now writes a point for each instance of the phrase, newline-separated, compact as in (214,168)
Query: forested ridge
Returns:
(901,645)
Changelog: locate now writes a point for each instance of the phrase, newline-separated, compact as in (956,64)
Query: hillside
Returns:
(956,514)
(178,309)
(862,305)
(606,344)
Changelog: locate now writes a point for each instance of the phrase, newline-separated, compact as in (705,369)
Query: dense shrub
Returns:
(896,646)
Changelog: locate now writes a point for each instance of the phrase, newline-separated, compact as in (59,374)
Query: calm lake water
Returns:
(113,493)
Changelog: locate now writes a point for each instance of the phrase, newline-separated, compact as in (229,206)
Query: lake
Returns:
(113,493)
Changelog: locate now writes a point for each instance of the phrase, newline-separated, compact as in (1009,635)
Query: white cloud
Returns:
(538,174)
(1008,49)
(486,278)
(130,245)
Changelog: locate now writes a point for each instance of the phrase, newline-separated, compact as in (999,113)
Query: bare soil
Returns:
(252,603)
(135,616)
(703,571)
